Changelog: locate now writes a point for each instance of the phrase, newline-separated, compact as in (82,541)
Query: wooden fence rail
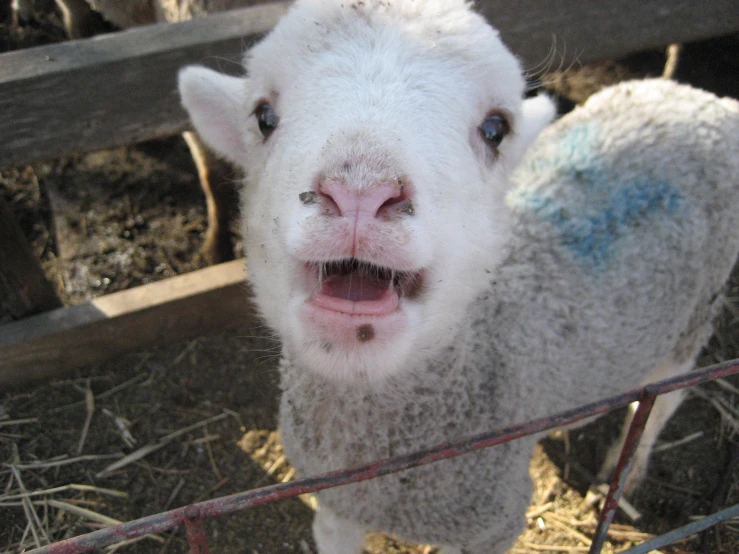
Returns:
(188,305)
(118,89)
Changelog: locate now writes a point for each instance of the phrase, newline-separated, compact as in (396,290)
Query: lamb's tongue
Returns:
(356,286)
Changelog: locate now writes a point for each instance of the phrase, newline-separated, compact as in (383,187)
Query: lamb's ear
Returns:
(536,113)
(215,103)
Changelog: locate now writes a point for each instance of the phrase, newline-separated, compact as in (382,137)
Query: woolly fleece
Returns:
(624,218)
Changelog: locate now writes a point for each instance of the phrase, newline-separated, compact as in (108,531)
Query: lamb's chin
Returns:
(345,348)
(349,348)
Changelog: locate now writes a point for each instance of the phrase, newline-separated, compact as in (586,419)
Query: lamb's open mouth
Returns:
(355,287)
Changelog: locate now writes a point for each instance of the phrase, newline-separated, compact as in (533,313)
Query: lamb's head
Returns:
(376,139)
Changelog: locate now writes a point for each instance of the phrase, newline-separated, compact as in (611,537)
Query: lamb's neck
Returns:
(421,373)
(465,389)
(469,367)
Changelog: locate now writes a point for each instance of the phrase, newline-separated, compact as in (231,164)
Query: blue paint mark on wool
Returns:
(598,205)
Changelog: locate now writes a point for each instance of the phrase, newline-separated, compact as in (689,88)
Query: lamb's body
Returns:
(477,498)
(612,277)
(600,270)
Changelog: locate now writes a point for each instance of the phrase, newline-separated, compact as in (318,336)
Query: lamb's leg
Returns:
(334,535)
(664,406)
(220,200)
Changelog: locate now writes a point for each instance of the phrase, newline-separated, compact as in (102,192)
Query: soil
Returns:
(111,220)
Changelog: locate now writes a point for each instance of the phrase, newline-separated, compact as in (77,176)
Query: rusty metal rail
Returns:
(192,516)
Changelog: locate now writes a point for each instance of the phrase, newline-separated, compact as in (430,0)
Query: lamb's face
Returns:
(377,146)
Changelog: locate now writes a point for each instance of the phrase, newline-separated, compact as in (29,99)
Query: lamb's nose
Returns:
(372,202)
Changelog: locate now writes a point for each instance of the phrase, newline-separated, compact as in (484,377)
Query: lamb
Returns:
(424,291)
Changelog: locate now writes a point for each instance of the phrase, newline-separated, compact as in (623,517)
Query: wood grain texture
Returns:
(604,29)
(143,317)
(114,89)
(117,89)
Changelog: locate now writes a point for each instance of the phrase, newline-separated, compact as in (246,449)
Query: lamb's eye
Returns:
(266,118)
(494,129)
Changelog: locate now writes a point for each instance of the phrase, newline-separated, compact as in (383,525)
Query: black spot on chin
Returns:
(365,333)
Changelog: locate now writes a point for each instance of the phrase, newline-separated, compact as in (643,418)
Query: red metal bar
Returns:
(228,504)
(636,429)
(195,531)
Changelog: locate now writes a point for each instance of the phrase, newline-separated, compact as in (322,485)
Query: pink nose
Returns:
(369,203)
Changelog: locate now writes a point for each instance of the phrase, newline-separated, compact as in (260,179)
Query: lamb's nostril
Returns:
(327,194)
(400,203)
(393,200)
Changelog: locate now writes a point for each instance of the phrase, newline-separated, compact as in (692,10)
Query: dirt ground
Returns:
(111,220)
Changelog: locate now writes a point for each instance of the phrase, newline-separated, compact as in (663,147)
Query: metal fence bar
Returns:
(195,531)
(684,531)
(618,479)
(228,504)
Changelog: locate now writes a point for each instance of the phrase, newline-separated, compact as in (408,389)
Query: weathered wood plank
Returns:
(114,89)
(24,289)
(604,29)
(184,306)
(117,89)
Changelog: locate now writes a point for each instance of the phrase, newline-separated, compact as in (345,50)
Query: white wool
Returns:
(373,80)
(601,268)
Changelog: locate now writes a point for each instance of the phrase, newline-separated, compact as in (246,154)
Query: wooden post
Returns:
(24,289)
